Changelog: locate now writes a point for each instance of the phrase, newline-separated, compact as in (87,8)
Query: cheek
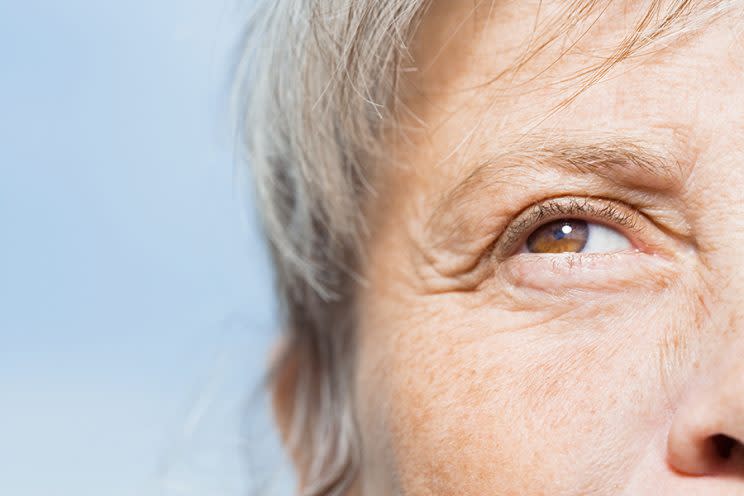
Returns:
(482,400)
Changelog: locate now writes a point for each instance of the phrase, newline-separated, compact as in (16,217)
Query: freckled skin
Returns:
(604,380)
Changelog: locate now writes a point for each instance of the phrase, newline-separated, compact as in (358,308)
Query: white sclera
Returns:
(603,239)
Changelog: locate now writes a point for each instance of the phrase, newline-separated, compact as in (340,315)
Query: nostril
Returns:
(723,445)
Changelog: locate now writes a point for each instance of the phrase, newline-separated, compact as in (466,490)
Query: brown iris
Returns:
(560,236)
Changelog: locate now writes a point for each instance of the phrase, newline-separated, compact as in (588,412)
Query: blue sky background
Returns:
(135,302)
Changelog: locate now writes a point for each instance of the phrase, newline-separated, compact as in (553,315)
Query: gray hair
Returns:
(317,90)
(318,86)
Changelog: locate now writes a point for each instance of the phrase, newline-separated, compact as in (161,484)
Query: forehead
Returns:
(513,47)
(489,71)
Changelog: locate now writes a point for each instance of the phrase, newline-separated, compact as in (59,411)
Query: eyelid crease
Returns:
(587,208)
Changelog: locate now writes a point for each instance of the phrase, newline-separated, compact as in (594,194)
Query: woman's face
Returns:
(556,300)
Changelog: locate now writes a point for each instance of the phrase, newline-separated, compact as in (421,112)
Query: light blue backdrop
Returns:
(135,305)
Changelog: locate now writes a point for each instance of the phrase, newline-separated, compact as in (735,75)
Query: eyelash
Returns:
(602,210)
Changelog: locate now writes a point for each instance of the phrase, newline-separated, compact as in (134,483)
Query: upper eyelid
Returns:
(619,161)
(554,208)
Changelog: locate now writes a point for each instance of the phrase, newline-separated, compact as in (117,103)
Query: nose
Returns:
(708,429)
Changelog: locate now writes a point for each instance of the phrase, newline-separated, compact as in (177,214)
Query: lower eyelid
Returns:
(598,271)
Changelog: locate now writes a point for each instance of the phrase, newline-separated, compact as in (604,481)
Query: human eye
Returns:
(582,243)
(573,225)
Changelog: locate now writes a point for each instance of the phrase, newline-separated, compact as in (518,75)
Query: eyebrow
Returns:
(624,162)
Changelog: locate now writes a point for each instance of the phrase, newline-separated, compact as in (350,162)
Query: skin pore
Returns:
(485,368)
